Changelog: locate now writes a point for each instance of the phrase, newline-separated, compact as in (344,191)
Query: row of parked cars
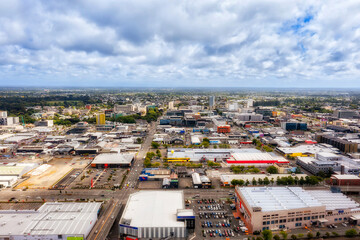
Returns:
(214,215)
(206,201)
(213,207)
(210,224)
(218,232)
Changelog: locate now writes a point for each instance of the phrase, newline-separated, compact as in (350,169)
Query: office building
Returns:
(128,108)
(155,215)
(294,126)
(342,144)
(348,114)
(100,119)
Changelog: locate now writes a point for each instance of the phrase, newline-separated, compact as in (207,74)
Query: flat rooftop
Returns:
(113,158)
(278,198)
(333,201)
(50,219)
(153,209)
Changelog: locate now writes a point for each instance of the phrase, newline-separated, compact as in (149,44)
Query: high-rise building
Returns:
(100,119)
(250,103)
(171,105)
(212,102)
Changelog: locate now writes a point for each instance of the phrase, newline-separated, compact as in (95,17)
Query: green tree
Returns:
(155,145)
(318,234)
(272,170)
(267,234)
(309,235)
(260,181)
(293,237)
(284,235)
(266,181)
(276,237)
(351,233)
(254,182)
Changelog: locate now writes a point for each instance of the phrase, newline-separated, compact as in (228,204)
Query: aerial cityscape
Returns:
(179,120)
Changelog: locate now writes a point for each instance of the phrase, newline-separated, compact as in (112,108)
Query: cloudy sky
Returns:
(247,43)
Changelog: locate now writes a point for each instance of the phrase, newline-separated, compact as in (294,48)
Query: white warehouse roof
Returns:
(333,201)
(50,219)
(113,158)
(153,209)
(278,198)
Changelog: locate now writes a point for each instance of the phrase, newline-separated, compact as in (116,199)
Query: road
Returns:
(105,222)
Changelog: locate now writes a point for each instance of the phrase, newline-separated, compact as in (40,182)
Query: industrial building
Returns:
(256,159)
(306,150)
(50,221)
(277,208)
(198,155)
(200,181)
(154,174)
(113,160)
(156,214)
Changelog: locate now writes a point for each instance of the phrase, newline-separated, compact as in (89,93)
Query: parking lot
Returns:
(215,219)
(99,178)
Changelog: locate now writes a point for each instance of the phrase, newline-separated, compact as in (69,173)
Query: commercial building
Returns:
(277,208)
(199,155)
(249,117)
(348,114)
(100,119)
(156,214)
(344,180)
(293,126)
(148,174)
(315,166)
(50,221)
(223,129)
(306,150)
(113,160)
(342,144)
(256,159)
(200,181)
(128,108)
(44,123)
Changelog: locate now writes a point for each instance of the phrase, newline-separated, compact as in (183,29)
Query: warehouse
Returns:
(277,208)
(113,160)
(156,214)
(50,221)
(196,155)
(256,159)
(306,150)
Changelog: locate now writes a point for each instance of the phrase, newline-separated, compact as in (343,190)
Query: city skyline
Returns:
(297,44)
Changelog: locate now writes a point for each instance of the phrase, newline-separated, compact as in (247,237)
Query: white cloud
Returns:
(209,43)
